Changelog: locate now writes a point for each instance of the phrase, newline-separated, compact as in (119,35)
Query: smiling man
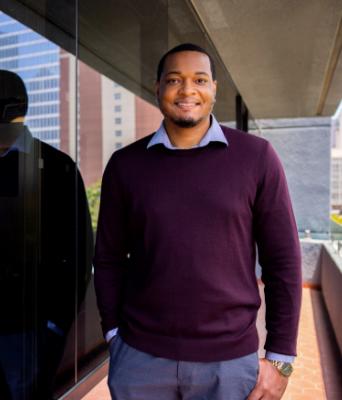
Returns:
(189,204)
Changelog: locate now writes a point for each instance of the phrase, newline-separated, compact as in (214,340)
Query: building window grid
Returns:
(30,73)
(42,84)
(43,97)
(36,61)
(28,49)
(19,37)
(118,121)
(43,109)
(46,135)
(43,122)
(117,96)
(13,27)
(336,181)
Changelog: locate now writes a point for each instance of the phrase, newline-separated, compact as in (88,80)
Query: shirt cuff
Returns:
(55,328)
(279,357)
(111,334)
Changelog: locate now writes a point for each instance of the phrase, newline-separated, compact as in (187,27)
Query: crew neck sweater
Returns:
(190,221)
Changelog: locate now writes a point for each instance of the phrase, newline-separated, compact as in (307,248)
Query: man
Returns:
(189,204)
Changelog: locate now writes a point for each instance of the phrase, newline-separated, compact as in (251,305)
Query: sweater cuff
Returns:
(281,345)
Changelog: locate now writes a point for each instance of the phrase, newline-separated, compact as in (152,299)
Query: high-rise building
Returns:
(336,162)
(36,61)
(109,116)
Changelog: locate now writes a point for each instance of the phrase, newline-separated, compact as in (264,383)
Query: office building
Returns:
(36,60)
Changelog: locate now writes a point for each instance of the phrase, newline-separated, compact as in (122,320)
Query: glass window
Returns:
(118,145)
(117,121)
(117,96)
(118,133)
(116,84)
(117,108)
(44,263)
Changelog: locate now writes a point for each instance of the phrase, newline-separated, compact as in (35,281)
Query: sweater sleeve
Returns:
(276,235)
(112,248)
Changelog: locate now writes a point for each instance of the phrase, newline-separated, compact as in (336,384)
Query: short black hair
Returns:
(185,47)
(13,96)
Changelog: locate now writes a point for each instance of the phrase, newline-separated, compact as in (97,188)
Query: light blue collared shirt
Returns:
(214,134)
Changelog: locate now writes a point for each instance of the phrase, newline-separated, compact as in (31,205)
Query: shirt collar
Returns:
(214,134)
(22,142)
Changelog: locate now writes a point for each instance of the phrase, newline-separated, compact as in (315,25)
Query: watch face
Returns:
(286,369)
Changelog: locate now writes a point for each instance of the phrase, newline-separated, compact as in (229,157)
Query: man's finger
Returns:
(270,385)
(256,394)
(257,391)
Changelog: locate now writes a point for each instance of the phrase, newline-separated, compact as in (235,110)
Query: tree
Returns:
(93,194)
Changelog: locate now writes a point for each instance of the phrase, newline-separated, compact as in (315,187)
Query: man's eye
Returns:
(172,80)
(201,80)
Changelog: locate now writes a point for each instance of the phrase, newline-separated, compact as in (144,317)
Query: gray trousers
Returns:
(134,375)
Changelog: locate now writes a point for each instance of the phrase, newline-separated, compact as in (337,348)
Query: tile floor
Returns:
(317,374)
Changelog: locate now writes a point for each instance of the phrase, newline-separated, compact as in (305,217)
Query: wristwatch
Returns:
(285,369)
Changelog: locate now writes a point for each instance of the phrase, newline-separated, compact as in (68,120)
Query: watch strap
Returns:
(285,369)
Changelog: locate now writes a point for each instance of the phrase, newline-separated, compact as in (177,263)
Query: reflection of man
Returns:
(37,250)
(190,203)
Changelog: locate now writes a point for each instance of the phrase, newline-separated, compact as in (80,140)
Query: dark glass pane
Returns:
(40,192)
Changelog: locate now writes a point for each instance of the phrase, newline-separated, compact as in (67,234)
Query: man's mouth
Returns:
(186,106)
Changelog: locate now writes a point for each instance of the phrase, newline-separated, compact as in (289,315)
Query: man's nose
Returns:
(187,88)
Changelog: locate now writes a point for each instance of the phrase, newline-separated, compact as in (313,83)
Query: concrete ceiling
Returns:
(283,56)
(123,40)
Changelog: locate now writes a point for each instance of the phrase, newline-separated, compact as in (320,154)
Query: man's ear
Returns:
(215,87)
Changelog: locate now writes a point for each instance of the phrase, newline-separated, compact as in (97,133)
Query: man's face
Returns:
(186,90)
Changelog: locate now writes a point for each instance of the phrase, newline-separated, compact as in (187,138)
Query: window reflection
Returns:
(37,249)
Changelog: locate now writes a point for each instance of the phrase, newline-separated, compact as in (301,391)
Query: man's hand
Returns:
(270,385)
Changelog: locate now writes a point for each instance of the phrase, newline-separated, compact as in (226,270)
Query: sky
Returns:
(337,112)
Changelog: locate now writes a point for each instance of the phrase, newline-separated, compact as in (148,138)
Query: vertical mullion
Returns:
(76,191)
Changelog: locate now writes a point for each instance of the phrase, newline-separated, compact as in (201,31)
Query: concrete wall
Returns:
(303,146)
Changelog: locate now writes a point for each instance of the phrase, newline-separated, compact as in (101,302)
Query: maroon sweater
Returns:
(190,220)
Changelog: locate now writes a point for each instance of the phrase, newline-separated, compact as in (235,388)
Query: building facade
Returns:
(336,161)
(36,60)
(106,116)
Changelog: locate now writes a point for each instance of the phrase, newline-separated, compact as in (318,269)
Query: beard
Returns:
(186,122)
